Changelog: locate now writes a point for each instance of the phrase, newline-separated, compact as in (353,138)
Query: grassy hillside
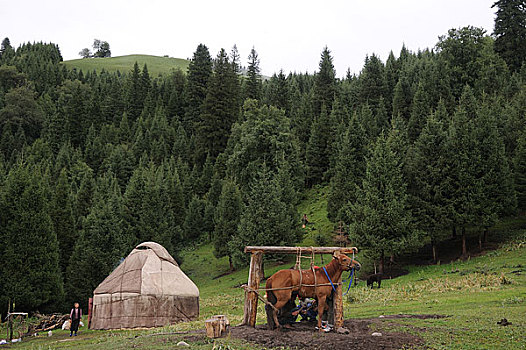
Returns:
(472,296)
(156,65)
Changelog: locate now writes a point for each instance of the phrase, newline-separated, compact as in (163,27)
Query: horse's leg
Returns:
(321,309)
(282,298)
(279,304)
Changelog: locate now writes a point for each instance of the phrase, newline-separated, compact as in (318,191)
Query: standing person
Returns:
(75,315)
(304,220)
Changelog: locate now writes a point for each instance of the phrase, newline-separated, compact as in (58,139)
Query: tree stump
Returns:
(216,326)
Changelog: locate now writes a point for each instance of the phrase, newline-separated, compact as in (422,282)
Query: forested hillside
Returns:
(92,163)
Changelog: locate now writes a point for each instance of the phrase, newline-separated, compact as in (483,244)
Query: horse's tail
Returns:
(271,298)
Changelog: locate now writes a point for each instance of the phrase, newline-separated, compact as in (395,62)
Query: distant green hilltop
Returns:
(156,64)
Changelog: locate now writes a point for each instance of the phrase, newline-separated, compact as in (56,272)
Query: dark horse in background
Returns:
(291,280)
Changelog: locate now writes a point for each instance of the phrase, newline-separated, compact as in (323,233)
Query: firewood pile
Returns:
(48,322)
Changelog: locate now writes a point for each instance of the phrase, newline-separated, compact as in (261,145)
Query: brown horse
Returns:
(303,283)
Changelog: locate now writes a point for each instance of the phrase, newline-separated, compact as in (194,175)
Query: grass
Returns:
(474,294)
(156,64)
(478,293)
(315,206)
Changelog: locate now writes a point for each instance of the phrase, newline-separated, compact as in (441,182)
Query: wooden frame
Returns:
(254,278)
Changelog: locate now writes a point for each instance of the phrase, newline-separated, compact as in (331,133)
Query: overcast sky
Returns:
(286,34)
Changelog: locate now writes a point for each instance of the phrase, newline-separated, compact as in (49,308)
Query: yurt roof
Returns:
(148,270)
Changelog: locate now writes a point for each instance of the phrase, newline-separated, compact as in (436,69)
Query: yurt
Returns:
(148,289)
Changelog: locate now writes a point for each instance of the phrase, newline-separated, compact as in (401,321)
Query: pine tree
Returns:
(134,94)
(324,83)
(381,217)
(510,32)
(7,52)
(84,187)
(216,186)
(368,122)
(463,161)
(205,180)
(195,225)
(145,82)
(496,196)
(519,170)
(419,113)
(125,132)
(382,118)
(430,181)
(121,162)
(173,194)
(279,92)
(176,88)
(339,120)
(302,117)
(74,106)
(235,62)
(373,85)
(56,133)
(226,219)
(235,59)
(61,213)
(264,220)
(7,144)
(402,98)
(29,244)
(146,214)
(220,110)
(199,73)
(317,156)
(349,171)
(392,71)
(102,244)
(253,82)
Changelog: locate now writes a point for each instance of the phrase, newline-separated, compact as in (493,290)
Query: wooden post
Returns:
(338,305)
(251,298)
(90,311)
(10,327)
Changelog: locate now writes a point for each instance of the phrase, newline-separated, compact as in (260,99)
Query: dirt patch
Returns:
(304,336)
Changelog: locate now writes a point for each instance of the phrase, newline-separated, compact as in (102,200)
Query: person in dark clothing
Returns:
(75,315)
(307,309)
(286,316)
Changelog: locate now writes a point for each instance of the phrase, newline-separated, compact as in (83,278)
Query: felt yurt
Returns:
(148,289)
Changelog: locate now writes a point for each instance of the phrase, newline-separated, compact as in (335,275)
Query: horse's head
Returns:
(346,263)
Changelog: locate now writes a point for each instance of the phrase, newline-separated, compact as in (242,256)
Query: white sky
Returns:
(286,34)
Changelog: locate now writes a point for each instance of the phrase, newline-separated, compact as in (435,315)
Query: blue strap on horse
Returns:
(350,282)
(326,274)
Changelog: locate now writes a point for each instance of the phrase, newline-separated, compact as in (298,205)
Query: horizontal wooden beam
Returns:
(294,250)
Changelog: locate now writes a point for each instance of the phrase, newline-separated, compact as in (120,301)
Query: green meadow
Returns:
(156,64)
(472,294)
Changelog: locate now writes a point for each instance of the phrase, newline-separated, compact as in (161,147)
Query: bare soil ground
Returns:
(304,336)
